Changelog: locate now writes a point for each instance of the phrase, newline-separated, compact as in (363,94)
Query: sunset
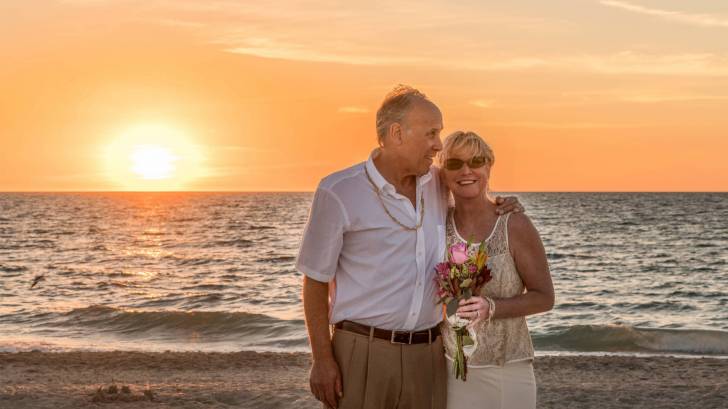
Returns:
(634,94)
(405,204)
(153,157)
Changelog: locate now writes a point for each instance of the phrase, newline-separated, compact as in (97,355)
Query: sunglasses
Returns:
(474,162)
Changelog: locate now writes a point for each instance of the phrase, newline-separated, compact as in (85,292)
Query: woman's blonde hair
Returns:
(468,142)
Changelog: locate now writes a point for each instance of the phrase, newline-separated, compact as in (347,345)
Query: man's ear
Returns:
(395,133)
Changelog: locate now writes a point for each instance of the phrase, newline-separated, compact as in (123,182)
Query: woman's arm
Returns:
(531,264)
(530,257)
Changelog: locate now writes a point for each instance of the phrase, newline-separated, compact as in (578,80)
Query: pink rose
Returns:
(459,253)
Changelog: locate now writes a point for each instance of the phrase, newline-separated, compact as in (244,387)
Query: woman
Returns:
(500,370)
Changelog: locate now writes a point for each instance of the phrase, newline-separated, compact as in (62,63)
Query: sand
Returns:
(271,380)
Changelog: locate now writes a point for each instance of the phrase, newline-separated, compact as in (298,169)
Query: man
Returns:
(375,232)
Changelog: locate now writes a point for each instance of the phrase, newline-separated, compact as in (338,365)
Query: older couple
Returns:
(376,231)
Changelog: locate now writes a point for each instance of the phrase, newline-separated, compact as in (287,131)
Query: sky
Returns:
(573,95)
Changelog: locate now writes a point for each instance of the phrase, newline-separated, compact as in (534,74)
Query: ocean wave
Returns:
(623,338)
(656,306)
(240,243)
(692,294)
(12,269)
(206,287)
(254,227)
(706,245)
(581,305)
(194,261)
(279,259)
(179,325)
(154,233)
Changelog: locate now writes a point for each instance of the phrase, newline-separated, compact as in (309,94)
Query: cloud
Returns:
(565,125)
(658,98)
(626,62)
(378,33)
(630,62)
(76,177)
(704,20)
(237,170)
(482,103)
(618,63)
(353,110)
(236,148)
(641,96)
(458,37)
(270,48)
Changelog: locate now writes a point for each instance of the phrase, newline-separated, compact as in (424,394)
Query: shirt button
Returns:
(413,314)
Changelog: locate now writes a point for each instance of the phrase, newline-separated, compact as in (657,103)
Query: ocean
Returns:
(633,272)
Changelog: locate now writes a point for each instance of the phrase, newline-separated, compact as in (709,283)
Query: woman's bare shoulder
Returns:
(521,227)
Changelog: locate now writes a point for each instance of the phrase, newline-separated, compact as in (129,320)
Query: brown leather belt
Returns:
(396,337)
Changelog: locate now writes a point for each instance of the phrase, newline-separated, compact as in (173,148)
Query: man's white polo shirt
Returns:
(382,274)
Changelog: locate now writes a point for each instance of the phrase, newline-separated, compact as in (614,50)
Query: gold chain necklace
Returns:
(379,196)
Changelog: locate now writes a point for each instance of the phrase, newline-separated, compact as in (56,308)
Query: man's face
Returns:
(421,129)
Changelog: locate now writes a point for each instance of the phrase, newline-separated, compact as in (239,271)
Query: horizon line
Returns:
(312,191)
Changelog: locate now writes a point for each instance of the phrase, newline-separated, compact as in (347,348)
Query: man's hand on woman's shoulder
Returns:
(508,204)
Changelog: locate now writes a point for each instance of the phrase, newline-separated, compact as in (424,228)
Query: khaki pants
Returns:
(378,374)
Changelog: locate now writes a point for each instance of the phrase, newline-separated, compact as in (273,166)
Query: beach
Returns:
(280,380)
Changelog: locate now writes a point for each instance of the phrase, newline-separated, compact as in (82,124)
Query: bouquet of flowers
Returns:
(457,279)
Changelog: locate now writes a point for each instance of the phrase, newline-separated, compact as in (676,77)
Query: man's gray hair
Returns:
(395,106)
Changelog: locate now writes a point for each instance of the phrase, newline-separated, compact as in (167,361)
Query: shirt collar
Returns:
(381,183)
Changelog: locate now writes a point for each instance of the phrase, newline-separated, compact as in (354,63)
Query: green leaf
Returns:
(468,341)
(452,306)
(467,293)
(466,283)
(481,248)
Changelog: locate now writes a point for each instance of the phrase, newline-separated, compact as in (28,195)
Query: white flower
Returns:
(457,322)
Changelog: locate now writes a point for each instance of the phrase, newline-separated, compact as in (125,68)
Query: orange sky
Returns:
(573,95)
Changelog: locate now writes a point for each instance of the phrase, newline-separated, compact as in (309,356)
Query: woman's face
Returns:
(466,182)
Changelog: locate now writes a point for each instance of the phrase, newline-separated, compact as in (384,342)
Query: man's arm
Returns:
(325,379)
(318,258)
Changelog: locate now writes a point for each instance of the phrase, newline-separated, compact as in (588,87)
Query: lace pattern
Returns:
(502,340)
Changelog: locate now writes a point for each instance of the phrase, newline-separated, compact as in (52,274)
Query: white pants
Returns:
(512,386)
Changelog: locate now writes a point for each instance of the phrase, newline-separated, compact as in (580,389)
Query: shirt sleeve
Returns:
(318,256)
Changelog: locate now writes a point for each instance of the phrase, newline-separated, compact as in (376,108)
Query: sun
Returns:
(153,157)
(153,162)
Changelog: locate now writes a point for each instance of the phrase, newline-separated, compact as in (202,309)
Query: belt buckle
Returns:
(394,333)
